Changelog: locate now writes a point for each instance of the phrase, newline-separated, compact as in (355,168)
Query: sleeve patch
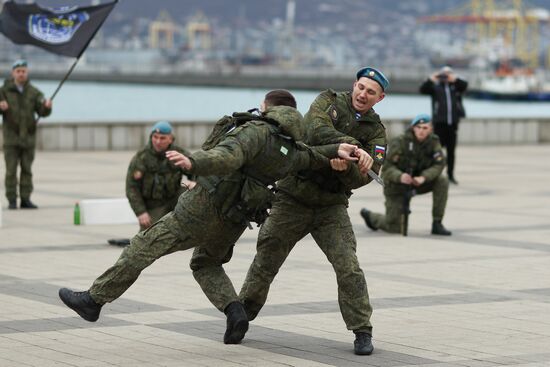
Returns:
(137,175)
(379,153)
(438,156)
(333,114)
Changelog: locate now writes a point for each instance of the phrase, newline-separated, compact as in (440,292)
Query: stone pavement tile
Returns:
(438,301)
(542,357)
(300,346)
(166,316)
(284,361)
(509,358)
(33,356)
(493,362)
(418,352)
(37,325)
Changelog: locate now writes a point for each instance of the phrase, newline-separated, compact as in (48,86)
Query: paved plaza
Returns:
(478,298)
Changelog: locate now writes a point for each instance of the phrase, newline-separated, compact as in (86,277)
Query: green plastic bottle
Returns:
(76,214)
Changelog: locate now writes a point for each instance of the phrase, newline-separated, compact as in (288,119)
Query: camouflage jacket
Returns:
(152,180)
(256,155)
(406,154)
(19,121)
(332,119)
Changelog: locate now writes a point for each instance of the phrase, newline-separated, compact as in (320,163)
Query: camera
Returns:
(443,77)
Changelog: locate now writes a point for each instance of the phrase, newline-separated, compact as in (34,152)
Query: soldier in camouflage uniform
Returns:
(153,184)
(414,158)
(20,103)
(213,215)
(315,202)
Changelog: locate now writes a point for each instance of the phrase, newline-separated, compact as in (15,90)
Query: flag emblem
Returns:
(56,29)
(63,30)
(379,153)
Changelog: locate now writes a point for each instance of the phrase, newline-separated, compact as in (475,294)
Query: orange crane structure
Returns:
(508,20)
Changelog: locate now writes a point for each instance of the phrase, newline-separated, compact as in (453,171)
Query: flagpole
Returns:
(80,54)
(65,78)
(13,28)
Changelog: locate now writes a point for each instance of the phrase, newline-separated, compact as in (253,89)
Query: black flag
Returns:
(65,30)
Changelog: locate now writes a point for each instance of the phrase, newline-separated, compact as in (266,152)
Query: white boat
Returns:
(511,84)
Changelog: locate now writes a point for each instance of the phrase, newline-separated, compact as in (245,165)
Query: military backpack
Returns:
(254,198)
(228,123)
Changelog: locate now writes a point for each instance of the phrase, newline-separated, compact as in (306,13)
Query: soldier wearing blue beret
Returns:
(415,161)
(20,105)
(315,202)
(153,184)
(374,74)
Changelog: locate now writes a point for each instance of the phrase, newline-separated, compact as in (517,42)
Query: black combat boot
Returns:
(365,213)
(363,344)
(27,204)
(251,309)
(453,180)
(437,228)
(237,323)
(12,204)
(82,303)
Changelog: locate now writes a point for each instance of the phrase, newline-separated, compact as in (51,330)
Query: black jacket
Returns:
(441,109)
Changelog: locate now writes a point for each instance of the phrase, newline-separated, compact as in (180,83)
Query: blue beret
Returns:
(162,127)
(21,63)
(421,119)
(375,75)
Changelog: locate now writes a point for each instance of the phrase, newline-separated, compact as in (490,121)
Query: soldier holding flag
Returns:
(67,31)
(20,102)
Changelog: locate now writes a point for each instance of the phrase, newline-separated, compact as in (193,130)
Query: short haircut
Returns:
(280,97)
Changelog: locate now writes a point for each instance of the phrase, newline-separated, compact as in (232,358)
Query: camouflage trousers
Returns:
(159,212)
(391,222)
(15,156)
(195,222)
(331,228)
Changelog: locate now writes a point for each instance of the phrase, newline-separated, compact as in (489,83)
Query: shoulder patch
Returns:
(333,113)
(138,175)
(438,156)
(379,153)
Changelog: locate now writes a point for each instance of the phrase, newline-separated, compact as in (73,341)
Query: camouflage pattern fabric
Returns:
(19,134)
(315,203)
(196,223)
(391,221)
(14,156)
(153,183)
(332,231)
(197,220)
(422,159)
(331,119)
(425,159)
(19,121)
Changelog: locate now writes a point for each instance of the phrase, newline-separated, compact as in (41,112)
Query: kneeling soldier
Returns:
(414,164)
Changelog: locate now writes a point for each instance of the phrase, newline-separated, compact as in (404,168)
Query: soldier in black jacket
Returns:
(446,90)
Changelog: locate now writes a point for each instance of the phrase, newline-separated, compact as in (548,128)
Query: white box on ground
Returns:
(106,211)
